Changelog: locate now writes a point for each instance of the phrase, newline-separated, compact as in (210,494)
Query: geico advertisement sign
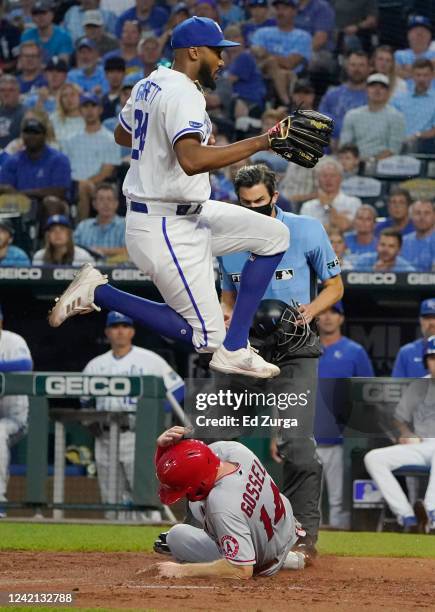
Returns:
(117,386)
(381,392)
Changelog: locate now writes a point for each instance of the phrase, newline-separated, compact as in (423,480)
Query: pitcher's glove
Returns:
(301,137)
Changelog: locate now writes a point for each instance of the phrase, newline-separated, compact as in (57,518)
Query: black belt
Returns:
(181,210)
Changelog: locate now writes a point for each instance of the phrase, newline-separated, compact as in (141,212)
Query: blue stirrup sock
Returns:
(256,275)
(160,318)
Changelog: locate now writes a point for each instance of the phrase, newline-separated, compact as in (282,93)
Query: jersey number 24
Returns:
(140,133)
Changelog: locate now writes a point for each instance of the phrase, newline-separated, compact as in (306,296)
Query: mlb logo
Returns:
(366,492)
(284,274)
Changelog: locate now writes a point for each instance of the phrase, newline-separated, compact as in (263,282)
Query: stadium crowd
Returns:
(68,67)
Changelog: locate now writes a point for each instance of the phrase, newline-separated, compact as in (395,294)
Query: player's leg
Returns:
(332,461)
(429,498)
(191,545)
(381,462)
(10,432)
(234,229)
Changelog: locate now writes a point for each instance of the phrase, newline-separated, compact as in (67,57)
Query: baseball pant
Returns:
(177,251)
(331,457)
(382,461)
(10,432)
(302,470)
(192,545)
(125,465)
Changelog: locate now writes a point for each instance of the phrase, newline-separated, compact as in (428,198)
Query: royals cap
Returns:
(88,98)
(86,42)
(427,307)
(292,3)
(199,32)
(338,307)
(57,220)
(57,64)
(42,6)
(421,21)
(33,126)
(117,318)
(258,3)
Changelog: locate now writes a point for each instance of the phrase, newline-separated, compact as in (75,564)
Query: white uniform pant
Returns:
(332,461)
(10,432)
(382,461)
(192,545)
(125,465)
(177,251)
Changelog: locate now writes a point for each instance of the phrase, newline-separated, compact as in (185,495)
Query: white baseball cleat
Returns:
(78,298)
(244,361)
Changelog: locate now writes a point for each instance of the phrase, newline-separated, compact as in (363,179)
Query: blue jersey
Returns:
(367,261)
(309,256)
(356,248)
(344,359)
(409,361)
(420,252)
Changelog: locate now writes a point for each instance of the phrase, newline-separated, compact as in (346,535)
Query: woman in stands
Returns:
(67,120)
(59,245)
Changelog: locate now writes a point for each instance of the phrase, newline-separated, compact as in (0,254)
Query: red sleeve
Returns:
(159,452)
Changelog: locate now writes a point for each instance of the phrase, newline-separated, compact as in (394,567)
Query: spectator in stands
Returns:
(241,70)
(10,36)
(318,19)
(420,46)
(418,108)
(282,51)
(52,205)
(76,16)
(14,357)
(30,67)
(259,18)
(362,239)
(229,13)
(89,74)
(268,119)
(356,22)
(54,40)
(332,207)
(336,238)
(398,218)
(148,50)
(114,68)
(39,170)
(10,255)
(67,119)
(385,63)
(104,234)
(222,187)
(111,122)
(147,14)
(386,258)
(206,8)
(11,109)
(93,24)
(45,98)
(179,13)
(377,129)
(130,36)
(348,156)
(117,7)
(419,246)
(93,153)
(409,361)
(341,358)
(17,145)
(59,245)
(352,93)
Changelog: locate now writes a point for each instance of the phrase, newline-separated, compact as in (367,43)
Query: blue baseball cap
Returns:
(338,307)
(199,32)
(258,3)
(427,307)
(416,21)
(57,220)
(117,318)
(88,98)
(86,42)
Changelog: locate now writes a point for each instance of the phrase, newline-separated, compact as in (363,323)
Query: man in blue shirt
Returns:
(420,45)
(39,170)
(398,205)
(149,16)
(362,240)
(386,258)
(409,361)
(54,40)
(282,50)
(309,257)
(30,62)
(89,75)
(10,255)
(317,17)
(351,94)
(419,247)
(259,18)
(341,358)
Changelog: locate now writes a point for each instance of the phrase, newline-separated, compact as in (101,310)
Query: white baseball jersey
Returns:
(245,513)
(161,108)
(12,348)
(138,362)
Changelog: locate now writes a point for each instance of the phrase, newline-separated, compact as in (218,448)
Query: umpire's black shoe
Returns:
(160,545)
(305,545)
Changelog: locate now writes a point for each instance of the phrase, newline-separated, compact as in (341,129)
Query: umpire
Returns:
(310,257)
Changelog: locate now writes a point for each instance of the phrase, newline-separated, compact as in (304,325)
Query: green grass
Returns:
(114,538)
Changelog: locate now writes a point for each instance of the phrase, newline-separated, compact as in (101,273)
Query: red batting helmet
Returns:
(187,469)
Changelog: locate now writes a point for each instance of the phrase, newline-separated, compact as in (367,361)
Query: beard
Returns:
(205,76)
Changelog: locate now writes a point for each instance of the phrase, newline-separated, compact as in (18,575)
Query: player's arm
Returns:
(196,158)
(216,569)
(331,293)
(122,137)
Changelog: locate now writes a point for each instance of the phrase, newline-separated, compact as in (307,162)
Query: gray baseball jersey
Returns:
(245,514)
(417,407)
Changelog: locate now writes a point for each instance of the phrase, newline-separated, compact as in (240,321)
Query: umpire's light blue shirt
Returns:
(309,256)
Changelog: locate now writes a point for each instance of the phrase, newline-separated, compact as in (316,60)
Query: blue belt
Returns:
(182,209)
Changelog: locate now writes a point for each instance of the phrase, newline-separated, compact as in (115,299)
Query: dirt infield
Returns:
(108,580)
